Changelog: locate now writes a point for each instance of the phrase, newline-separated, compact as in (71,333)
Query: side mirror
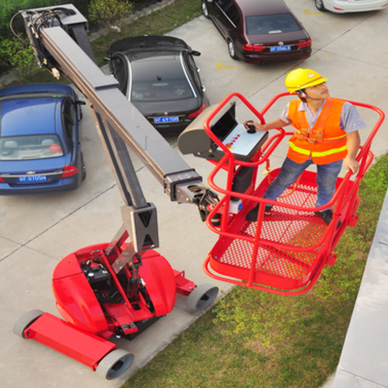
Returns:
(195,53)
(79,102)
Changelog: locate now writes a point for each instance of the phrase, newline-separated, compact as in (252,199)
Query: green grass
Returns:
(257,339)
(157,23)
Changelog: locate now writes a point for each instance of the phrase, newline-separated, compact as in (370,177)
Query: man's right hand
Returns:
(258,127)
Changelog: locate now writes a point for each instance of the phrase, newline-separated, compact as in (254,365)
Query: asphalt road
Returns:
(38,231)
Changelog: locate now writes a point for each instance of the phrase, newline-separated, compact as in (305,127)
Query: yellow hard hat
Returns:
(302,78)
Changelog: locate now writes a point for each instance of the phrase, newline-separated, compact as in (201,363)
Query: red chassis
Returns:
(97,304)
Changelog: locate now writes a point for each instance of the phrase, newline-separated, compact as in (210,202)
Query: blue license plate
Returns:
(280,48)
(166,119)
(32,179)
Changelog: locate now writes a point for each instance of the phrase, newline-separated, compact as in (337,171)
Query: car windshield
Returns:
(30,147)
(159,78)
(271,24)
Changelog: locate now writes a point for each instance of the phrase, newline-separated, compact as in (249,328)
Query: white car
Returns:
(344,6)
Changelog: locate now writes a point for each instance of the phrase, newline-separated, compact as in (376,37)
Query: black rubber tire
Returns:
(24,321)
(83,176)
(201,297)
(205,11)
(114,364)
(319,5)
(231,49)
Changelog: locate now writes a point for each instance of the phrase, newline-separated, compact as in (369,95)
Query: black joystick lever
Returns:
(251,127)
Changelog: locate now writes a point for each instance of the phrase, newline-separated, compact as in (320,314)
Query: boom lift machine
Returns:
(125,285)
(117,288)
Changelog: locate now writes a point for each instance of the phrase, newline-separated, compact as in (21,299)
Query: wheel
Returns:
(231,49)
(201,297)
(83,167)
(114,364)
(205,11)
(83,172)
(24,321)
(319,4)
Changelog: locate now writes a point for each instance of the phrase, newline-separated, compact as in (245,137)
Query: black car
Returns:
(259,31)
(159,76)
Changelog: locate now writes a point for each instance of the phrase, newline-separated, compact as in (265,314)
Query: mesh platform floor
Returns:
(281,225)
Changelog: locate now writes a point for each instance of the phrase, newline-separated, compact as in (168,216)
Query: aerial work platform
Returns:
(285,249)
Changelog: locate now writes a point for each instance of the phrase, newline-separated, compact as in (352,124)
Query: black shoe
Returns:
(326,215)
(252,214)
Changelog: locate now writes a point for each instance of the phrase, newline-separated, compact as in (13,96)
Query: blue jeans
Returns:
(326,179)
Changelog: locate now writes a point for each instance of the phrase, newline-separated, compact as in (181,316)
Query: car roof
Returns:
(151,42)
(29,115)
(262,7)
(147,66)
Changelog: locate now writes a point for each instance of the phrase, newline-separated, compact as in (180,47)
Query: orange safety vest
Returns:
(325,142)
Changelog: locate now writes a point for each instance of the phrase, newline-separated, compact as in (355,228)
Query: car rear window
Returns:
(271,24)
(170,90)
(30,147)
(160,78)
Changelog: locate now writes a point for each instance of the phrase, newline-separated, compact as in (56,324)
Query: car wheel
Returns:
(83,168)
(205,11)
(319,4)
(231,49)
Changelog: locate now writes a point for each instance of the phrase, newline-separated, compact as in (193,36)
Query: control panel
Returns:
(242,143)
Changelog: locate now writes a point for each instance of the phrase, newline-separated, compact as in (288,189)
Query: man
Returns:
(326,135)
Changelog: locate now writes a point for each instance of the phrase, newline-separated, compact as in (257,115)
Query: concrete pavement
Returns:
(38,231)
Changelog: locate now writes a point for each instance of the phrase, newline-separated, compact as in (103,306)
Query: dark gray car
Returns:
(259,31)
(159,76)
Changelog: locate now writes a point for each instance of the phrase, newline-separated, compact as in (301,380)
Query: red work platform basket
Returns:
(285,250)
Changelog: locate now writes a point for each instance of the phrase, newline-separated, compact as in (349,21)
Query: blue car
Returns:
(40,150)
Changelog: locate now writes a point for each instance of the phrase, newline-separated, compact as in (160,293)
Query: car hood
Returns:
(288,37)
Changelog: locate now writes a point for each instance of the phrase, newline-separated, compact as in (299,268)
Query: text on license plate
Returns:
(280,48)
(32,178)
(166,119)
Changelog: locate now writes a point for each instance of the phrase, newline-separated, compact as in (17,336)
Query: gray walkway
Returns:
(364,358)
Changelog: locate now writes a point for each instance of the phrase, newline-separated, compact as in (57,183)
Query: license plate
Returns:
(32,179)
(280,48)
(166,119)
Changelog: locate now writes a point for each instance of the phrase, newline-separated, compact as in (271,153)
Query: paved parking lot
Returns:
(37,231)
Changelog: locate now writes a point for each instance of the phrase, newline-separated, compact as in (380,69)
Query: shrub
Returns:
(18,56)
(8,8)
(109,12)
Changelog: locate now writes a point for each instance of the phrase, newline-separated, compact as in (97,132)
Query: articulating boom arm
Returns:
(59,40)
